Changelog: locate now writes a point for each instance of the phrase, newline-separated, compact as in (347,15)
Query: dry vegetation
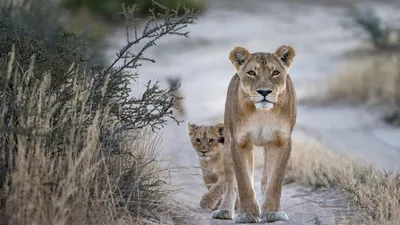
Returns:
(76,148)
(375,194)
(371,75)
(76,179)
(367,79)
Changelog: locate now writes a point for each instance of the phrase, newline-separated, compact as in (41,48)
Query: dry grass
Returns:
(311,164)
(371,79)
(82,189)
(56,176)
(371,73)
(375,194)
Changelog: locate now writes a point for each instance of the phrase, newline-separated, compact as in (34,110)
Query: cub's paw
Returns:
(222,214)
(207,203)
(274,216)
(247,217)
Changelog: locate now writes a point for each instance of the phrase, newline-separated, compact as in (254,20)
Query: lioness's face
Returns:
(263,75)
(206,140)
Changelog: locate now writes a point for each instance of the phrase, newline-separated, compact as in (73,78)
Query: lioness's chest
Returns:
(264,128)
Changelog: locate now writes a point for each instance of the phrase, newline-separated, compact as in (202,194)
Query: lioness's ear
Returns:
(238,56)
(191,128)
(286,53)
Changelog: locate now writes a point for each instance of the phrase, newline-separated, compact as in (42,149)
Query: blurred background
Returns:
(346,73)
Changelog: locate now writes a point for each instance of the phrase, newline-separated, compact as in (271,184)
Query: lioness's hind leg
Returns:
(264,179)
(237,203)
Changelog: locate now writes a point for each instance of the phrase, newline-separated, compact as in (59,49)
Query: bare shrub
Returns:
(367,24)
(86,183)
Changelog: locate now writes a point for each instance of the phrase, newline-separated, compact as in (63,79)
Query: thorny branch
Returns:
(155,104)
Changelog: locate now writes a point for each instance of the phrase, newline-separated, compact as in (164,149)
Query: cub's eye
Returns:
(211,140)
(275,73)
(198,140)
(251,73)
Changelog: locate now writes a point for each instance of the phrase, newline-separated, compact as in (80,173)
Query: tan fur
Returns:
(268,123)
(211,160)
(177,96)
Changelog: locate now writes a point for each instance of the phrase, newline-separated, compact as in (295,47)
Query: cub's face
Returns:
(263,75)
(206,140)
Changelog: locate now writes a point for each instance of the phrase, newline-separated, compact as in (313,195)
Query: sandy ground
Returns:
(202,63)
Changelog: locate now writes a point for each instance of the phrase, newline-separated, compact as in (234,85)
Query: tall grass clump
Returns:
(375,194)
(76,147)
(371,75)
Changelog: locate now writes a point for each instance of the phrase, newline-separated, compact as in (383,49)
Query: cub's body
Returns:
(208,142)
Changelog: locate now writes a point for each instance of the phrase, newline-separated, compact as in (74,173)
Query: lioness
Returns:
(260,109)
(208,142)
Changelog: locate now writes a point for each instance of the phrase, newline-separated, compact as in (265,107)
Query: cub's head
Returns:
(206,140)
(263,75)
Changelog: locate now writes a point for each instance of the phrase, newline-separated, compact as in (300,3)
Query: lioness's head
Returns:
(263,75)
(206,140)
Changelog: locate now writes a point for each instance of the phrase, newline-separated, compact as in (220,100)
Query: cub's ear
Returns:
(238,56)
(220,130)
(191,128)
(286,53)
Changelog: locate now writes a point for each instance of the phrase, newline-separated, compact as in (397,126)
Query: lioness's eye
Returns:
(211,140)
(198,140)
(251,73)
(275,73)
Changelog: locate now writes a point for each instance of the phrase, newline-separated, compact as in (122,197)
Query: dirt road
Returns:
(202,63)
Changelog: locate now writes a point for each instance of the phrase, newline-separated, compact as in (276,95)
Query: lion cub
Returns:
(208,143)
(177,99)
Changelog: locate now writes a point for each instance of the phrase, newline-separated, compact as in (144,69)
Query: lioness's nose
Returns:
(203,151)
(264,92)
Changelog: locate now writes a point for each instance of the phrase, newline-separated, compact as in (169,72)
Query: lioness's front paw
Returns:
(207,203)
(222,214)
(247,217)
(274,216)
